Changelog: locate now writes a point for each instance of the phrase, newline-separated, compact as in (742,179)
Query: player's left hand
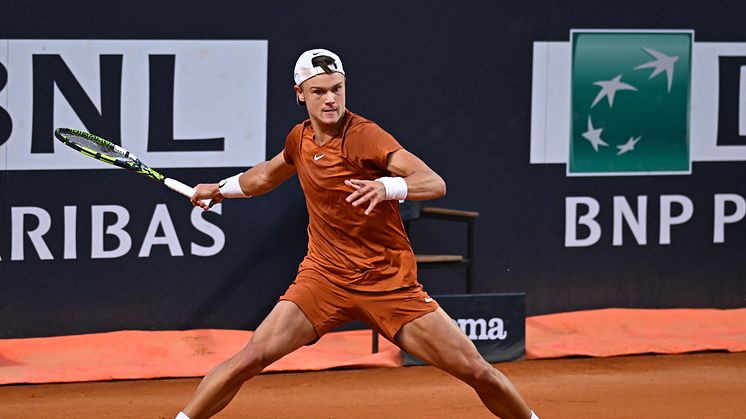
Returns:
(370,191)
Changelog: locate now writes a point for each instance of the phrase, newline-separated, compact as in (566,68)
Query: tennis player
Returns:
(360,264)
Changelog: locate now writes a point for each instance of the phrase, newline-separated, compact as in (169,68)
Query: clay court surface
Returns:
(700,385)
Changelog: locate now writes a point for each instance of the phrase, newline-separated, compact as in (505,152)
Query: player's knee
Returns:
(486,378)
(247,364)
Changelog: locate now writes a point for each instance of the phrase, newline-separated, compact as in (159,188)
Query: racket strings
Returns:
(102,147)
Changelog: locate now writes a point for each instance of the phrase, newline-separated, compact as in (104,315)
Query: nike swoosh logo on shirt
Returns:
(318,156)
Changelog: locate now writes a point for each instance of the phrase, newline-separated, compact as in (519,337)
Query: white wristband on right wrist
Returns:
(396,187)
(231,188)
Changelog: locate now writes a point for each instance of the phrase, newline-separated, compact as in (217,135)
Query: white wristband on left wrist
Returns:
(396,187)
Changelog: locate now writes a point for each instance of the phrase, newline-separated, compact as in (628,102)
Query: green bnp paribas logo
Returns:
(630,103)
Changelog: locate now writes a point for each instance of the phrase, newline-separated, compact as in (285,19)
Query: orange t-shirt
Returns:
(363,252)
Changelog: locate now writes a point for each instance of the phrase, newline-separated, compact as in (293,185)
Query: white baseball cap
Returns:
(305,68)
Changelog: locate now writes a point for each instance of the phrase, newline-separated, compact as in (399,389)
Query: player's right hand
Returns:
(206,195)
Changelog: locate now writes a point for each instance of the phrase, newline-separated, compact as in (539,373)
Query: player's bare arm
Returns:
(422,182)
(258,180)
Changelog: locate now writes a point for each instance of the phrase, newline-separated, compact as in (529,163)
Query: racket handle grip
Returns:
(183,189)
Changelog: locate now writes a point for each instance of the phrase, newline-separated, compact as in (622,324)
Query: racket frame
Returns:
(128,161)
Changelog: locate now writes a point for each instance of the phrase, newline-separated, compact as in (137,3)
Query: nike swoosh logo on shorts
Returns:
(318,156)
(428,299)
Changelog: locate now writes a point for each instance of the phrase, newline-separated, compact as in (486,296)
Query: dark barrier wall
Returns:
(454,82)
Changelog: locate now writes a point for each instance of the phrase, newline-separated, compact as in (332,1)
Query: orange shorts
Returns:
(328,305)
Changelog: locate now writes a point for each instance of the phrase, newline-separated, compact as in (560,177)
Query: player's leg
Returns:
(284,330)
(435,339)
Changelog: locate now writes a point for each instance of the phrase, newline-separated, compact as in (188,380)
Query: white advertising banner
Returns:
(211,93)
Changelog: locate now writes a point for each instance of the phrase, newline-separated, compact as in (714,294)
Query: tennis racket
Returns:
(108,152)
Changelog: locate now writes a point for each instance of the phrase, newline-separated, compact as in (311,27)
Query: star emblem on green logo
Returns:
(630,103)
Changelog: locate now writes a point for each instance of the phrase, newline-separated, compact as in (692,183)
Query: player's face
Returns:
(325,97)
